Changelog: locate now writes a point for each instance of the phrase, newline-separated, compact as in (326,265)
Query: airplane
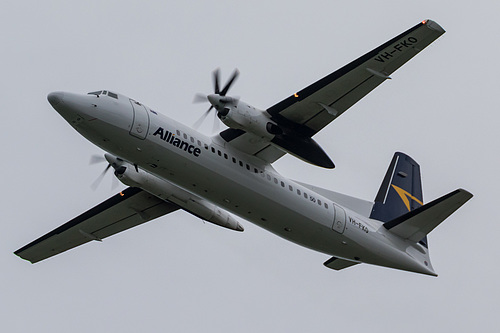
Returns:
(229,177)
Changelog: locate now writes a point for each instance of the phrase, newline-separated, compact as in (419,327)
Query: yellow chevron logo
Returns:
(405,195)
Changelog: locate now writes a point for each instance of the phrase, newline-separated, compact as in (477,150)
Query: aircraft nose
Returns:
(55,98)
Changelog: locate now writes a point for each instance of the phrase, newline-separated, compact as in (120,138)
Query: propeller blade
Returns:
(216,75)
(95,159)
(200,98)
(202,118)
(215,128)
(230,82)
(99,179)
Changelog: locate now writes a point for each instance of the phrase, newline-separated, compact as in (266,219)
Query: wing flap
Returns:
(416,224)
(125,210)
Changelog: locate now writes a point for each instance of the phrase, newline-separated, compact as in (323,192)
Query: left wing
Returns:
(317,105)
(125,210)
(306,112)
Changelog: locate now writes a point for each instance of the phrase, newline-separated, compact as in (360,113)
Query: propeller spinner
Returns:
(215,99)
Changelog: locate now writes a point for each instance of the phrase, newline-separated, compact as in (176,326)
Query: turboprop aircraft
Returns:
(229,177)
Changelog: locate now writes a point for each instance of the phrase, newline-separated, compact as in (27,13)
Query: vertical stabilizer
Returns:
(401,189)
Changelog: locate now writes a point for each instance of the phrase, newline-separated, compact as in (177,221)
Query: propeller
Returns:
(200,98)
(95,159)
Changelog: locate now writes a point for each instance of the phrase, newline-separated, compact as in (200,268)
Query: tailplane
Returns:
(399,202)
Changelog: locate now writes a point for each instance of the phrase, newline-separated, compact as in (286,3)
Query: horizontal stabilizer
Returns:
(416,224)
(338,264)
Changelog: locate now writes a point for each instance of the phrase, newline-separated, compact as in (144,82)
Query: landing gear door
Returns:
(140,124)
(339,219)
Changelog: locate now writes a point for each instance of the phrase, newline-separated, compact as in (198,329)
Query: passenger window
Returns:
(255,170)
(290,187)
(319,202)
(268,177)
(275,181)
(282,184)
(305,195)
(178,132)
(219,153)
(185,135)
(234,160)
(241,163)
(298,191)
(199,143)
(192,139)
(225,156)
(213,150)
(326,205)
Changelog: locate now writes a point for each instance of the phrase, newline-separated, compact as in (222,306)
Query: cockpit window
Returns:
(104,92)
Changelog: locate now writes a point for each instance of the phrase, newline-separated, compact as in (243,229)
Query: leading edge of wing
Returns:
(94,224)
(311,89)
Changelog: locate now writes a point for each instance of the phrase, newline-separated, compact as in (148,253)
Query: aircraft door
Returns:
(140,124)
(339,219)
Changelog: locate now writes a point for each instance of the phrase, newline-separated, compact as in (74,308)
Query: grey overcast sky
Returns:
(177,274)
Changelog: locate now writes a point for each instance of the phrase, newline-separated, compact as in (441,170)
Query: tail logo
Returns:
(405,196)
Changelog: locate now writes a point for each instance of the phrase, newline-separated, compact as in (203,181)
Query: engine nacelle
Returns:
(239,115)
(134,176)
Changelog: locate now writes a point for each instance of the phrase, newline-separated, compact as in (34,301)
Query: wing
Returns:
(125,210)
(317,105)
(306,112)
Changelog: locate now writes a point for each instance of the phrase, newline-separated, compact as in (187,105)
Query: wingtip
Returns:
(434,26)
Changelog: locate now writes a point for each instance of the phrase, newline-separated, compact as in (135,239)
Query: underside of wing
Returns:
(315,106)
(125,210)
(251,144)
(290,124)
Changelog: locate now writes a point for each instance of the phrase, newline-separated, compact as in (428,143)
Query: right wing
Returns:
(125,210)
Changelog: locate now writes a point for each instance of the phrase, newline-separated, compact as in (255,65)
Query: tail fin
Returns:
(401,189)
(399,202)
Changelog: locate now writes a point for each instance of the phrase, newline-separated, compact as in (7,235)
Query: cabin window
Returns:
(255,170)
(275,180)
(282,184)
(225,156)
(213,150)
(241,163)
(305,195)
(326,205)
(290,187)
(319,202)
(219,153)
(178,132)
(198,142)
(206,146)
(192,139)
(185,136)
(234,160)
(248,167)
(298,192)
(268,177)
